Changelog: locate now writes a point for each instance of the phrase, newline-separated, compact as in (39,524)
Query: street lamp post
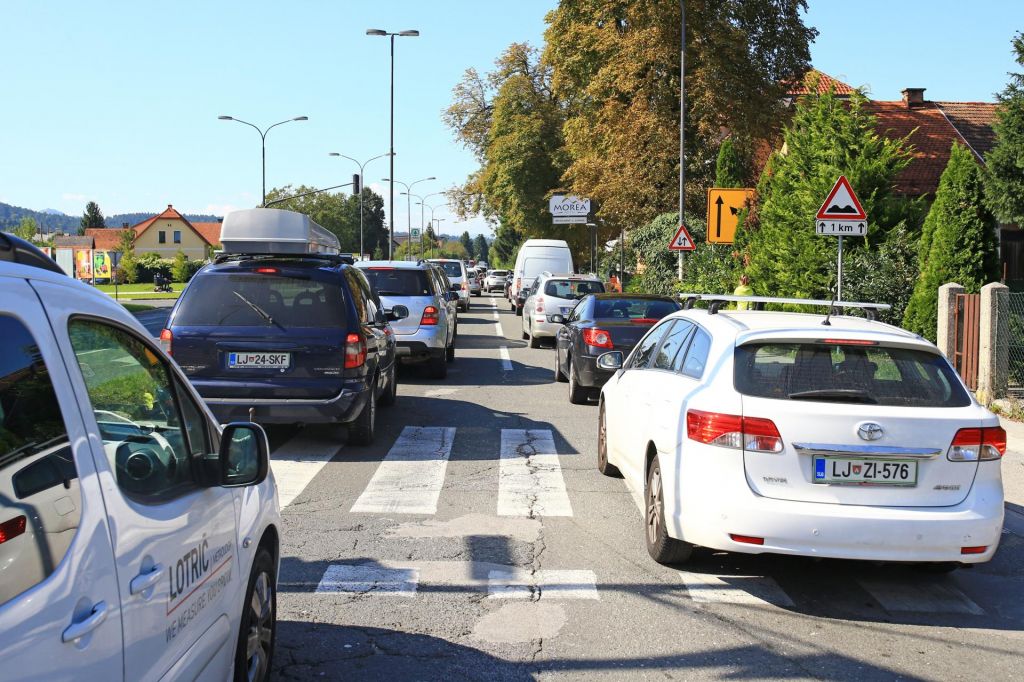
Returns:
(362,165)
(391,190)
(422,204)
(263,140)
(408,201)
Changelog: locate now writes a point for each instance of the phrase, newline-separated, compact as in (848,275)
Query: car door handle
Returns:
(144,581)
(84,627)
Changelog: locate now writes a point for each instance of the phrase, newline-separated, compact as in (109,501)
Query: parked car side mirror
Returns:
(244,455)
(611,360)
(557,319)
(396,313)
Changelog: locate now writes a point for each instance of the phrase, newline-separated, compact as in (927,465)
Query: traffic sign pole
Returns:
(839,271)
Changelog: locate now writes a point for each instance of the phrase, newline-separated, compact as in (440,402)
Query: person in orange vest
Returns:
(743,289)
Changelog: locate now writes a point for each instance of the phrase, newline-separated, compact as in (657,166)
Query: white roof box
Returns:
(275,231)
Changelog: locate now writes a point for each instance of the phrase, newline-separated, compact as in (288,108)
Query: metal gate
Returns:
(1015,344)
(967,338)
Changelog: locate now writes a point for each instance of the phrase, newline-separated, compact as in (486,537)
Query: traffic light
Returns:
(355,184)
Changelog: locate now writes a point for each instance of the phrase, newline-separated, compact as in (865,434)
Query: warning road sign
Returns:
(842,204)
(682,241)
(724,206)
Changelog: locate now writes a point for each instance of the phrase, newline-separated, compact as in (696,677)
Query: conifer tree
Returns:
(963,242)
(1005,181)
(92,218)
(731,169)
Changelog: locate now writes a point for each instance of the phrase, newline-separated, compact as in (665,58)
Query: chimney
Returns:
(170,206)
(124,226)
(913,97)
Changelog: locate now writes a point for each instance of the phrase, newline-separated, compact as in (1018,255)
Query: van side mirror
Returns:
(244,455)
(557,319)
(610,361)
(396,313)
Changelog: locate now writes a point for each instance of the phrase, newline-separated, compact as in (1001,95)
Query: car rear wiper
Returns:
(259,311)
(838,394)
(384,292)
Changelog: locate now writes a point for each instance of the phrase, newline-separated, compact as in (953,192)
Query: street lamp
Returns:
(438,221)
(422,204)
(263,139)
(408,201)
(391,189)
(361,167)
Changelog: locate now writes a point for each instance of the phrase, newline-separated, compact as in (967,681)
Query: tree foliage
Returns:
(964,245)
(732,169)
(480,247)
(27,229)
(827,138)
(467,243)
(339,213)
(1005,180)
(92,218)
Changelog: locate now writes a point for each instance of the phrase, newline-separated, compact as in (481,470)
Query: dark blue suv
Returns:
(286,339)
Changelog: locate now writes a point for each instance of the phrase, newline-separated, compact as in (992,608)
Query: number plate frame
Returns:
(819,472)
(233,356)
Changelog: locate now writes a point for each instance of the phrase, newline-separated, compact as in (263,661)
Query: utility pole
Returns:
(682,124)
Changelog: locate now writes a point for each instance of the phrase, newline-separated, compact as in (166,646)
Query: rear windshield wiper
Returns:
(837,394)
(384,292)
(259,311)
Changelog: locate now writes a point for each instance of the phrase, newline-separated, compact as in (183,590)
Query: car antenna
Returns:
(830,304)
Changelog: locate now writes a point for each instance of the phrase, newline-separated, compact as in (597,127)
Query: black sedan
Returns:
(598,324)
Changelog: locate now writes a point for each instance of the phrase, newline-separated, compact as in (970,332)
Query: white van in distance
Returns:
(536,256)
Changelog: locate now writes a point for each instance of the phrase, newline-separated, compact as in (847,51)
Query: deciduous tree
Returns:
(27,228)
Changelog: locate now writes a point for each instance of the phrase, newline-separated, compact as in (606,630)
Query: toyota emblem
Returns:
(870,431)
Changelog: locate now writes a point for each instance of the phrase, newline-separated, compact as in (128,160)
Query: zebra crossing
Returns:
(410,480)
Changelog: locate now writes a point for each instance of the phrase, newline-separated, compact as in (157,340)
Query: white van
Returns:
(536,256)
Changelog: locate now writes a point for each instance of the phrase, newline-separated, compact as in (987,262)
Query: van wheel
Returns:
(387,399)
(661,547)
(360,432)
(258,626)
(437,367)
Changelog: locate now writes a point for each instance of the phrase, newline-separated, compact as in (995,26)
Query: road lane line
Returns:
(520,583)
(734,589)
(506,359)
(920,597)
(296,463)
(530,479)
(410,478)
(369,578)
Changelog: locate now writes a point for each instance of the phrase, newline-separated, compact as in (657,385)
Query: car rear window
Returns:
(499,273)
(829,372)
(568,288)
(633,309)
(246,300)
(392,282)
(452,269)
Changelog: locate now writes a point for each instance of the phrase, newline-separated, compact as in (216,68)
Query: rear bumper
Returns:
(410,352)
(430,336)
(715,501)
(341,409)
(541,328)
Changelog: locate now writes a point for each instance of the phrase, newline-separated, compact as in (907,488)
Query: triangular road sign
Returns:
(842,203)
(682,241)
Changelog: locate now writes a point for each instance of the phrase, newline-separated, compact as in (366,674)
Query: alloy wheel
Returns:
(261,628)
(654,505)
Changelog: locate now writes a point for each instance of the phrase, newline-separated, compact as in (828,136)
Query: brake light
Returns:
(430,317)
(732,431)
(598,338)
(644,320)
(519,281)
(849,342)
(977,444)
(355,351)
(540,304)
(379,268)
(267,271)
(12,529)
(465,285)
(166,337)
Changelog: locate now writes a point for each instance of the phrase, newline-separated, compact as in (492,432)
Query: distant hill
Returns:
(51,220)
(52,211)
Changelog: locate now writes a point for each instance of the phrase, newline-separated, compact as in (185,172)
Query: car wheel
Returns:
(577,394)
(559,376)
(437,368)
(360,432)
(661,547)
(387,399)
(449,352)
(602,447)
(525,334)
(519,311)
(258,626)
(534,341)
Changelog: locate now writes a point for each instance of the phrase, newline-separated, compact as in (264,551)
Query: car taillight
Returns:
(977,445)
(166,337)
(598,338)
(465,285)
(12,528)
(733,431)
(540,304)
(355,351)
(430,317)
(519,281)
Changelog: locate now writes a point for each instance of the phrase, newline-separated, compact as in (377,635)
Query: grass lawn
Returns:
(136,308)
(129,292)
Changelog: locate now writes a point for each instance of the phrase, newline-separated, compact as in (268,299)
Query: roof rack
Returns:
(716,301)
(329,257)
(17,250)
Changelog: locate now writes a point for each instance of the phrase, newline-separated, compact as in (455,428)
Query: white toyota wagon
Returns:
(753,431)
(138,540)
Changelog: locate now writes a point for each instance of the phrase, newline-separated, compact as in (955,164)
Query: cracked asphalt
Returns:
(727,616)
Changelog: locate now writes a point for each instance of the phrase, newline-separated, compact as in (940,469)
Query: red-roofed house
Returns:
(164,234)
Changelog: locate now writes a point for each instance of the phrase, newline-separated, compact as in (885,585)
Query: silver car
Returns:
(427,335)
(458,275)
(495,280)
(554,295)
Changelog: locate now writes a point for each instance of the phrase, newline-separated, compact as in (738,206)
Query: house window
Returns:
(162,237)
(177,236)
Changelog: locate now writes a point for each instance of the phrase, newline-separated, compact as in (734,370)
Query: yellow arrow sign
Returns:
(724,206)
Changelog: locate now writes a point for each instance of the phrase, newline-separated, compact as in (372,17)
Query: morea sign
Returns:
(562,205)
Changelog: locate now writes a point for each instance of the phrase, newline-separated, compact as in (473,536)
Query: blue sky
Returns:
(117,102)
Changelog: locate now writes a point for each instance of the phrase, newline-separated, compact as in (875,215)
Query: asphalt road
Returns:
(430,555)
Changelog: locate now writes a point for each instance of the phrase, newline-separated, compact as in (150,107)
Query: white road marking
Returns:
(410,478)
(365,578)
(506,359)
(439,392)
(921,597)
(530,479)
(734,589)
(296,463)
(519,583)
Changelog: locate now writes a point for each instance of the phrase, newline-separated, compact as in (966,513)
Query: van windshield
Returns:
(535,266)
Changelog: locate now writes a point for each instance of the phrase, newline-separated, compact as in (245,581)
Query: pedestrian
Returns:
(743,290)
